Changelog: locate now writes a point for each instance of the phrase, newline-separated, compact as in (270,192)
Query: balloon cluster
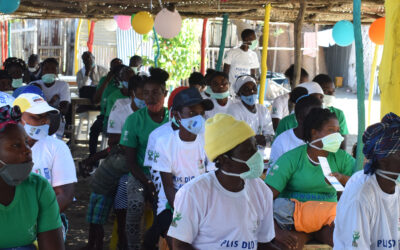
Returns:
(167,23)
(343,32)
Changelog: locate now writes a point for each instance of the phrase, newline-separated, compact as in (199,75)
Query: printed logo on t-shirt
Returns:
(201,165)
(274,110)
(387,243)
(356,237)
(239,244)
(37,171)
(177,217)
(112,124)
(47,173)
(126,136)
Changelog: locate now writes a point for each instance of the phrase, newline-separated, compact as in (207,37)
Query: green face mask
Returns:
(217,96)
(255,164)
(253,45)
(331,143)
(16,83)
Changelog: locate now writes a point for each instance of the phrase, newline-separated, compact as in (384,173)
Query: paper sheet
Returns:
(326,169)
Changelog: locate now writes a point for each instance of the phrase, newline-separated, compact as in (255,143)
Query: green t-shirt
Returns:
(290,122)
(294,176)
(136,131)
(33,210)
(110,103)
(111,87)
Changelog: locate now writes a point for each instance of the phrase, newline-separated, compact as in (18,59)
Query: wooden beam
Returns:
(298,25)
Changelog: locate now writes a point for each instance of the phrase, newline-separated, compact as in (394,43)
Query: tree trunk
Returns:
(298,25)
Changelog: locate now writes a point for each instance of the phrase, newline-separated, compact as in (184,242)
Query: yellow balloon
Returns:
(142,22)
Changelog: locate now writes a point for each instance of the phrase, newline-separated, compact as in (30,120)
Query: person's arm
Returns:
(168,184)
(344,142)
(113,139)
(227,68)
(63,107)
(180,245)
(51,240)
(275,123)
(65,195)
(253,73)
(99,92)
(136,171)
(267,246)
(81,79)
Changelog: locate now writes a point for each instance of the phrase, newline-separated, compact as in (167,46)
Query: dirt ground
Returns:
(78,227)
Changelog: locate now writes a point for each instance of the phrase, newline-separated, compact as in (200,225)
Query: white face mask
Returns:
(33,69)
(329,100)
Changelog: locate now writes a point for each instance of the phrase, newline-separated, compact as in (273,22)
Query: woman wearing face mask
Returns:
(218,89)
(242,60)
(34,67)
(15,67)
(298,174)
(134,138)
(368,211)
(28,206)
(180,157)
(248,110)
(56,92)
(51,156)
(209,210)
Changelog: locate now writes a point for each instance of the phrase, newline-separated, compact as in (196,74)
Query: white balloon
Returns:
(110,25)
(168,24)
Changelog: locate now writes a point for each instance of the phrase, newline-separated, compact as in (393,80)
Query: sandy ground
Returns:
(78,231)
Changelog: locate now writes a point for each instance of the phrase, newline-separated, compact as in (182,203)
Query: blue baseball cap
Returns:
(29,89)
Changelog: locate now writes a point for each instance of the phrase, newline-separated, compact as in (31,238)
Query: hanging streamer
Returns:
(77,33)
(222,44)
(9,39)
(360,81)
(158,48)
(203,47)
(371,83)
(3,54)
(264,68)
(91,36)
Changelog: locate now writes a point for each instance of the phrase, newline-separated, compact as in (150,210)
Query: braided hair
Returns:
(13,61)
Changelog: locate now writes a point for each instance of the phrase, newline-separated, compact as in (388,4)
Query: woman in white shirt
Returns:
(247,109)
(368,215)
(218,90)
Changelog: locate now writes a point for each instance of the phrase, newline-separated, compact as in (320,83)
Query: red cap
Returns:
(173,94)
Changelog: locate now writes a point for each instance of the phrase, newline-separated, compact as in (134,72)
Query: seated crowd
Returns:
(196,172)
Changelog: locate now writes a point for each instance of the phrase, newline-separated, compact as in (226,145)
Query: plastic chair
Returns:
(90,117)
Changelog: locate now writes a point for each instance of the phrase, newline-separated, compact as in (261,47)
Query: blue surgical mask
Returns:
(16,83)
(37,132)
(217,96)
(139,103)
(249,100)
(49,78)
(194,125)
(255,164)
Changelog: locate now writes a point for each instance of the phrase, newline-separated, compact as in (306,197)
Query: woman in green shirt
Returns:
(28,204)
(297,174)
(134,138)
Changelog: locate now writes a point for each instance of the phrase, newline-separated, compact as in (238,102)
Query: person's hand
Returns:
(261,140)
(341,178)
(88,69)
(286,238)
(54,100)
(151,192)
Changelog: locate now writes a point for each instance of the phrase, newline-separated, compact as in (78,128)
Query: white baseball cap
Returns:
(312,88)
(33,103)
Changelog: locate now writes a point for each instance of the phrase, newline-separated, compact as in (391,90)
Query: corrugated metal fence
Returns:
(130,43)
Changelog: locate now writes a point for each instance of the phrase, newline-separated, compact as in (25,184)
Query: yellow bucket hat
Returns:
(223,133)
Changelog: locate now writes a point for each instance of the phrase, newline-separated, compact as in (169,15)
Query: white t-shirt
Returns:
(280,106)
(260,121)
(218,108)
(367,217)
(120,111)
(164,130)
(53,160)
(241,63)
(284,143)
(208,216)
(59,88)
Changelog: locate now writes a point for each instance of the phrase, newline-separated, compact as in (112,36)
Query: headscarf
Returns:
(241,80)
(381,140)
(8,116)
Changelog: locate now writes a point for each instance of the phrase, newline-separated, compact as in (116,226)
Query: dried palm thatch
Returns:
(318,11)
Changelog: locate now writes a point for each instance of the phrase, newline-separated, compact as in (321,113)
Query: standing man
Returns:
(242,60)
(91,73)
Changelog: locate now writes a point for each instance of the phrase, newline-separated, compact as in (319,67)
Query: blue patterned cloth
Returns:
(381,140)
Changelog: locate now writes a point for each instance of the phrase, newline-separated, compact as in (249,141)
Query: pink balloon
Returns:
(124,22)
(116,18)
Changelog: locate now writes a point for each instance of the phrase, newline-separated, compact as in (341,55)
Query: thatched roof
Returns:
(318,11)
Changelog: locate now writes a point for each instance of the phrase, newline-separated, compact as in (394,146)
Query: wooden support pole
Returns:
(298,25)
(203,47)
